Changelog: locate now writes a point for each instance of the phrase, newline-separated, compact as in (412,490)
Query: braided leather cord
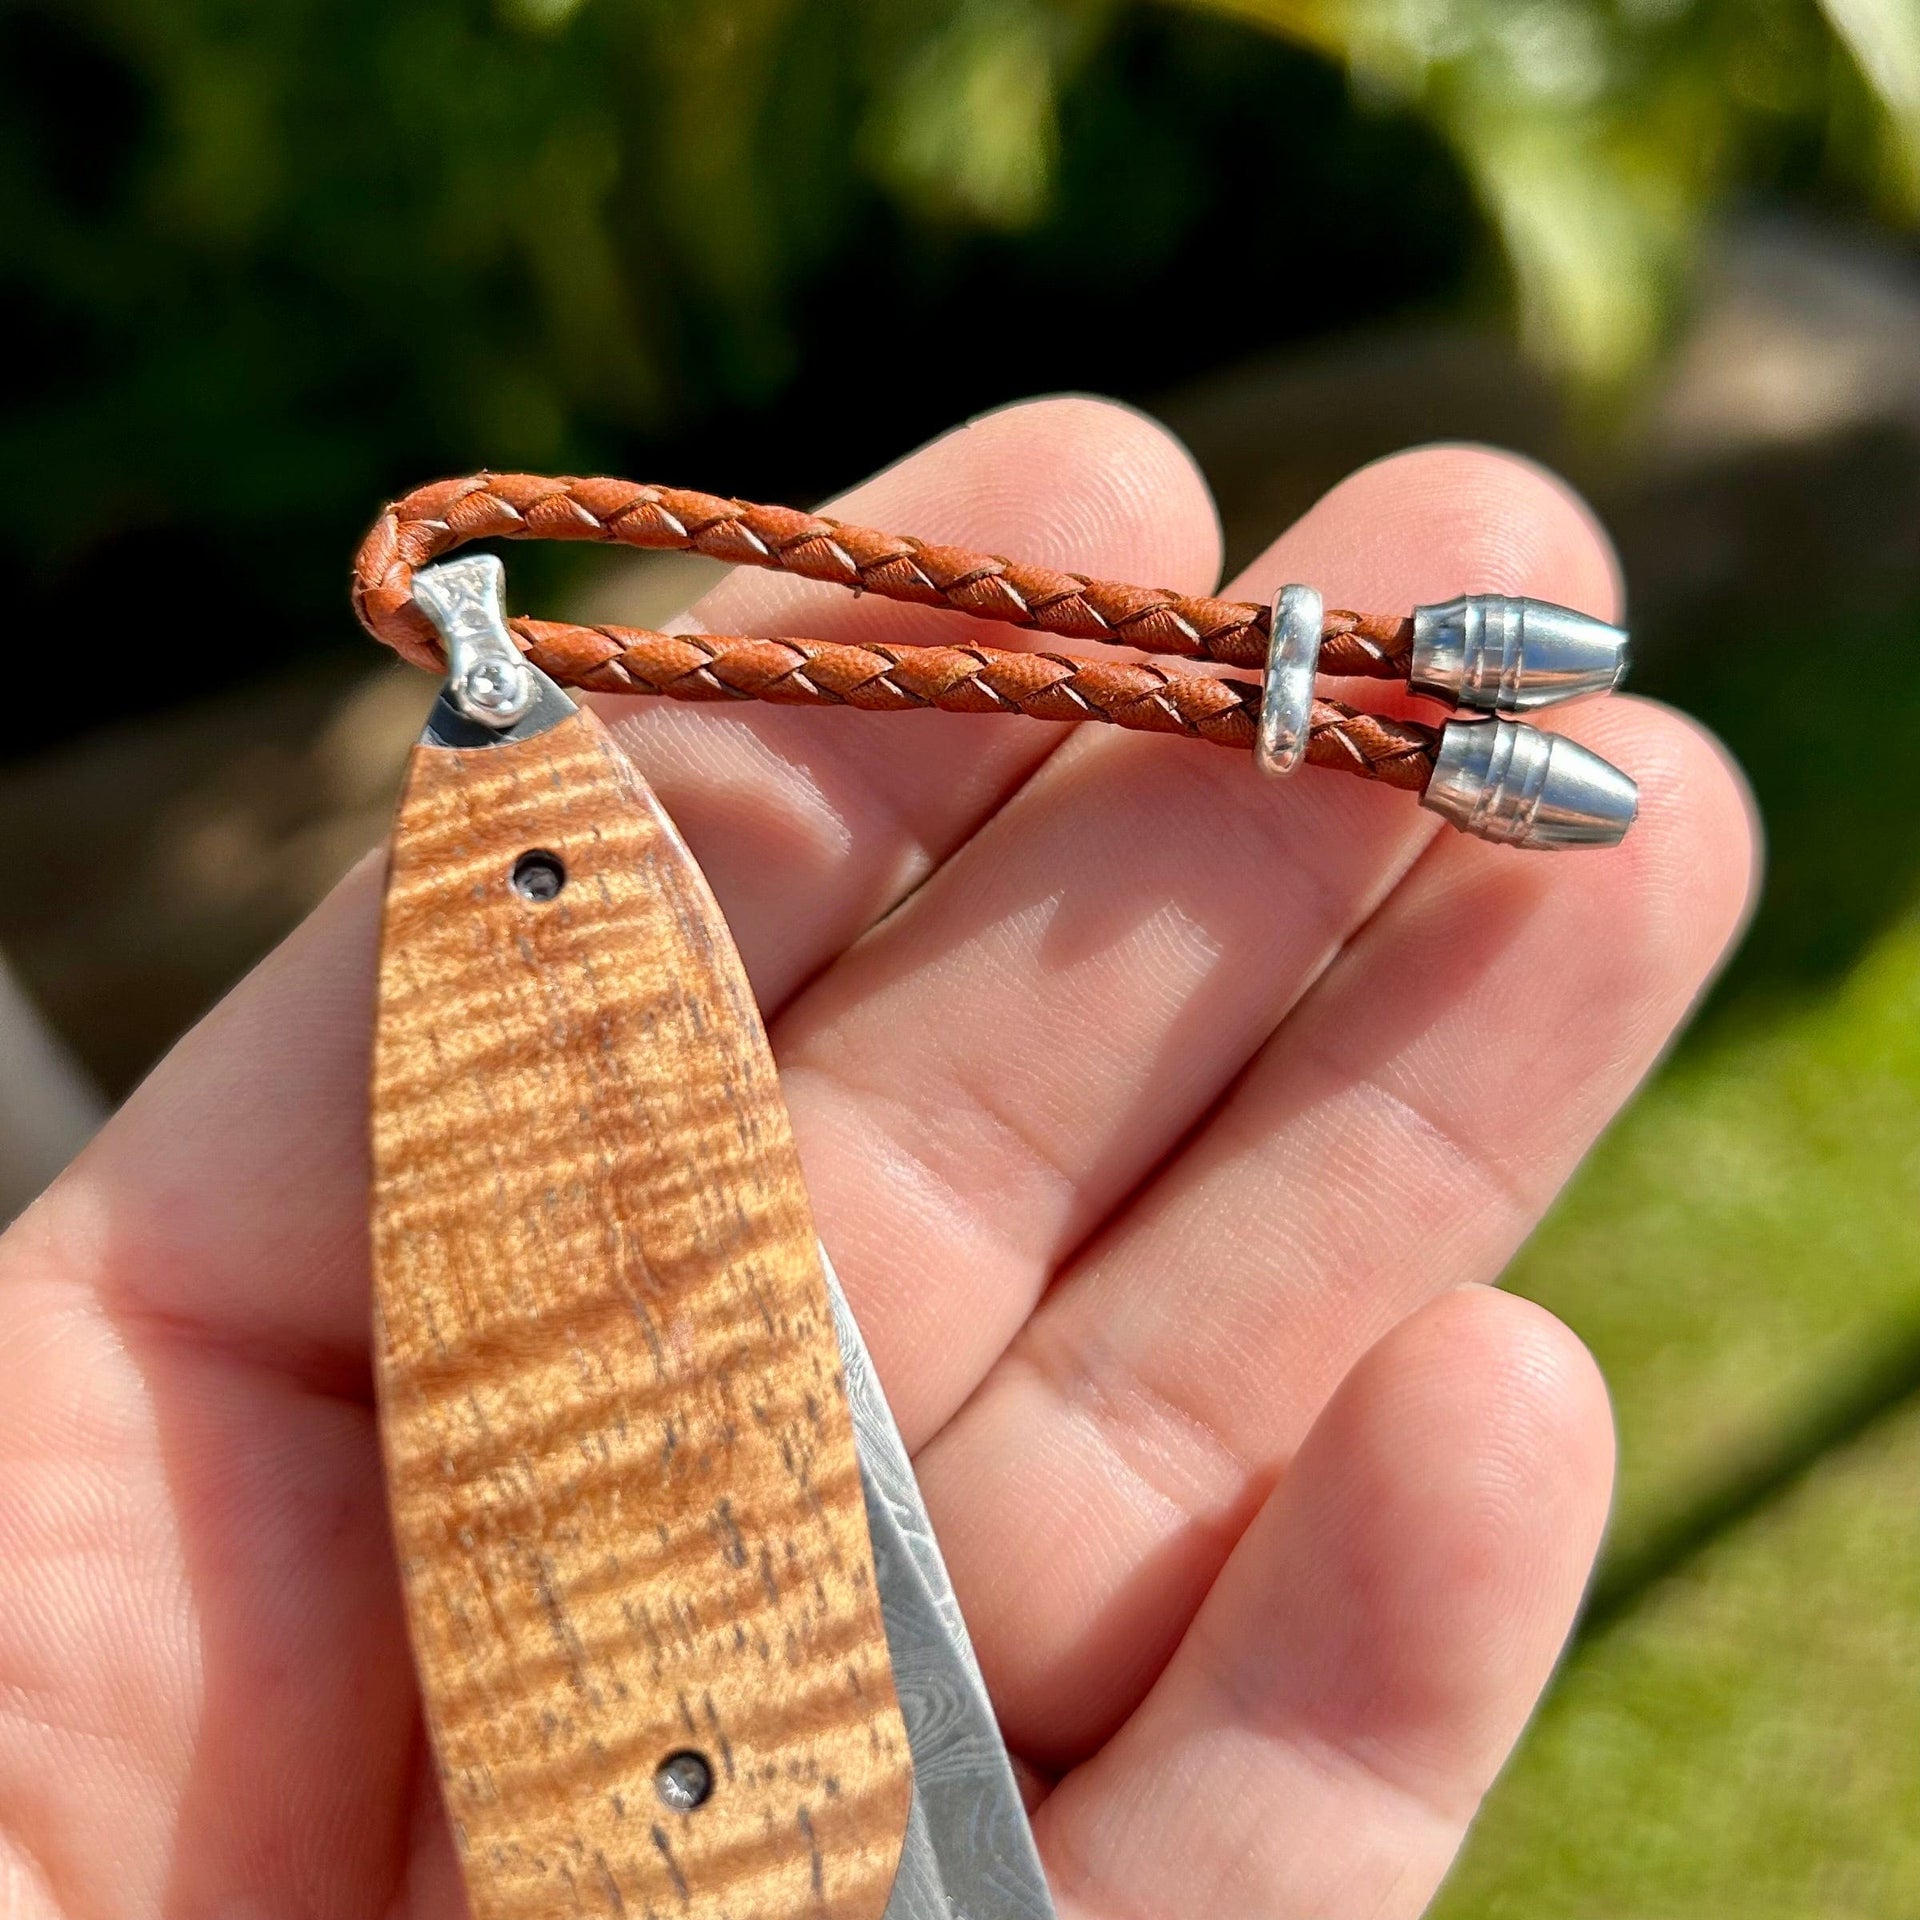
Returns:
(883,679)
(432,520)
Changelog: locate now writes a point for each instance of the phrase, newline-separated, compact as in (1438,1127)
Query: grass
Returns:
(1735,1730)
(1743,1741)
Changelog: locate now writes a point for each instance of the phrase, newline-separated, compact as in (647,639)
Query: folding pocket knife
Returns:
(684,1637)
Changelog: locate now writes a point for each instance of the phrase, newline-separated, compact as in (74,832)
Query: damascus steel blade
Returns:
(969,1852)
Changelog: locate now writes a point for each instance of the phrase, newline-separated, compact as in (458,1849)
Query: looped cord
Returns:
(433,520)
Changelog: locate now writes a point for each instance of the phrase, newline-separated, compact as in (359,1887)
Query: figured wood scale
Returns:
(623,1476)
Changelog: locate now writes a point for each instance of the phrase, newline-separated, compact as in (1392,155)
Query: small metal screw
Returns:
(684,1781)
(494,690)
(538,876)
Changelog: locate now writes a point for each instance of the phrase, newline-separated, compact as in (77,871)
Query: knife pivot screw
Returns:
(684,1781)
(538,876)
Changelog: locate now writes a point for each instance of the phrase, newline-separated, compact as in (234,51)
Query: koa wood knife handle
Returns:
(623,1476)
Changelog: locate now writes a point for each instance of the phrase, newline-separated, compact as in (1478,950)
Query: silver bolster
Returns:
(1286,700)
(487,680)
(1501,654)
(1512,784)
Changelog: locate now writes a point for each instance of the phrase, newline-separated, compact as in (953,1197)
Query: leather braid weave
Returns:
(885,679)
(432,520)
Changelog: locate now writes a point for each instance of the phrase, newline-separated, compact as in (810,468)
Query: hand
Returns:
(1163,1125)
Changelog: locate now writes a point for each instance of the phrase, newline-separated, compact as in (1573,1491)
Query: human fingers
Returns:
(1400,1134)
(979,1083)
(1372,1649)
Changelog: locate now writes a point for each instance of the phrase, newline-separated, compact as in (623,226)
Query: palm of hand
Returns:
(1158,1122)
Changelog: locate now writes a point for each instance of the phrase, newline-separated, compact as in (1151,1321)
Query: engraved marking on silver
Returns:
(1286,700)
(487,680)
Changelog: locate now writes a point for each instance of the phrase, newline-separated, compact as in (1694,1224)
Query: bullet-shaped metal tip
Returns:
(1512,784)
(1502,654)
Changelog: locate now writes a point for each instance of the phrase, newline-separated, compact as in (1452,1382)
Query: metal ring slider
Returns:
(1286,700)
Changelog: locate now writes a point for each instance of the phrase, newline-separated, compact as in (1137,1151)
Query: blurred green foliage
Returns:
(1597,132)
(269,262)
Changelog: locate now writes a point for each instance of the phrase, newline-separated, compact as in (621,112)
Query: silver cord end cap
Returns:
(1499,653)
(1510,783)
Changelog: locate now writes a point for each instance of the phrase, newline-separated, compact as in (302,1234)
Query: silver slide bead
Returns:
(1500,653)
(1286,699)
(1510,783)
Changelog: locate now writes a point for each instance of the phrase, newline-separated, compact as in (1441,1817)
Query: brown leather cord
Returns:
(433,520)
(883,679)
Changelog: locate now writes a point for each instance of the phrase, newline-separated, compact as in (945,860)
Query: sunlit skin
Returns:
(1166,1127)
